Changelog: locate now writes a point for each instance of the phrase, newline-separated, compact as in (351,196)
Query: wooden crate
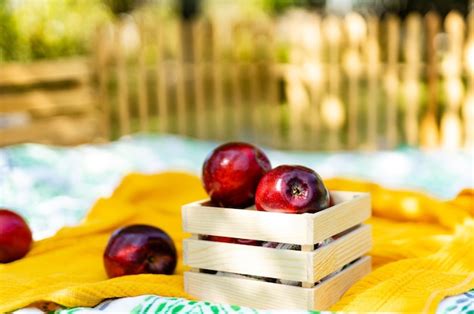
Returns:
(315,276)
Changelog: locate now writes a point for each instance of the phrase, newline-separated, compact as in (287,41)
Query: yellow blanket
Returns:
(423,250)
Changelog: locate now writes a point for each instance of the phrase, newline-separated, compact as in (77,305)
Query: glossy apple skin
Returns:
(219,239)
(15,236)
(248,242)
(231,174)
(139,249)
(232,240)
(292,190)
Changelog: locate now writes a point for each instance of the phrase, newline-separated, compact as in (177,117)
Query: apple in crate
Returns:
(15,236)
(139,249)
(232,240)
(231,174)
(292,190)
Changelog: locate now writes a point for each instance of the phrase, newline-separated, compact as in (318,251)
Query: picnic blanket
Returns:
(423,249)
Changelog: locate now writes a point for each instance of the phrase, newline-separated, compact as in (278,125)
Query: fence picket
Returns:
(142,80)
(122,78)
(161,90)
(429,128)
(320,61)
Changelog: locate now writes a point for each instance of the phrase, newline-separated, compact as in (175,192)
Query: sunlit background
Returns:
(305,75)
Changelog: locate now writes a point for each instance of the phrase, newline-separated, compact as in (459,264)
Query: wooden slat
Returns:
(42,103)
(316,82)
(199,67)
(20,74)
(344,250)
(332,32)
(412,54)
(57,130)
(298,102)
(372,53)
(356,31)
(429,136)
(391,80)
(245,224)
(350,209)
(247,259)
(161,79)
(103,99)
(217,81)
(122,77)
(254,97)
(265,295)
(235,72)
(451,129)
(247,292)
(329,292)
(142,80)
(468,106)
(181,80)
(273,91)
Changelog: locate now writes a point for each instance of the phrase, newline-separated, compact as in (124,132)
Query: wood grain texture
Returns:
(307,265)
(247,259)
(245,224)
(344,250)
(266,295)
(247,292)
(351,209)
(331,290)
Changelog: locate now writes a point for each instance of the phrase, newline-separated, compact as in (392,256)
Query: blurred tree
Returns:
(8,32)
(278,6)
(118,7)
(189,9)
(47,29)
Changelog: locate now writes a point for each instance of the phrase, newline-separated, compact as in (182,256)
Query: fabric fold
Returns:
(423,249)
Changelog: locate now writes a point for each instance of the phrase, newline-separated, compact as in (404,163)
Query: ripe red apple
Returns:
(219,239)
(331,200)
(231,174)
(232,240)
(293,190)
(248,242)
(15,236)
(139,249)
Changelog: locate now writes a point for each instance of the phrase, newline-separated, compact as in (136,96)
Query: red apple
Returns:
(331,201)
(15,236)
(248,242)
(232,240)
(293,190)
(219,239)
(139,249)
(231,174)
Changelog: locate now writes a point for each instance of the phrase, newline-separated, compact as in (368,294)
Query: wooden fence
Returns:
(301,81)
